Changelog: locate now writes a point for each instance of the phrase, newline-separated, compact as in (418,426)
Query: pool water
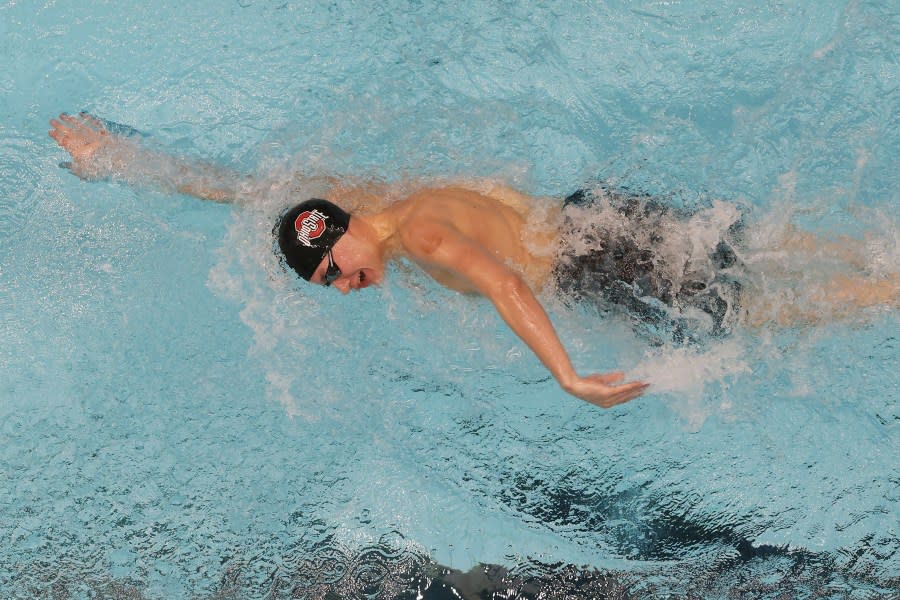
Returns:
(181,419)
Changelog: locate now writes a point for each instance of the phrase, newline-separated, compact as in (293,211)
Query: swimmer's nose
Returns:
(343,285)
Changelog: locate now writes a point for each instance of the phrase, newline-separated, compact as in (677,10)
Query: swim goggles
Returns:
(332,272)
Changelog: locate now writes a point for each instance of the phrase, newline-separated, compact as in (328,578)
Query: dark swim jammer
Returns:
(619,271)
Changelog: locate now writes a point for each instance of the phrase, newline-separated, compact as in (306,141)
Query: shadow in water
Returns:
(673,557)
(332,572)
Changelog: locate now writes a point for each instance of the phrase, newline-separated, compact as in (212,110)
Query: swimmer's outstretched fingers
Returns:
(101,127)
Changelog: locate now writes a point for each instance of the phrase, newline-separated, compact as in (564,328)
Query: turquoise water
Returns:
(179,419)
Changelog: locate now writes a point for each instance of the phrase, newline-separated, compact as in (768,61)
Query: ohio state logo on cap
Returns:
(309,225)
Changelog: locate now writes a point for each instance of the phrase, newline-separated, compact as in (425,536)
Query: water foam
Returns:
(685,374)
(671,268)
(281,317)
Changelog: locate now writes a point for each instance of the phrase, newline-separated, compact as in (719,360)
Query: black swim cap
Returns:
(308,231)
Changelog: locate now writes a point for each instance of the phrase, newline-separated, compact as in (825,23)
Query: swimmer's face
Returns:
(352,265)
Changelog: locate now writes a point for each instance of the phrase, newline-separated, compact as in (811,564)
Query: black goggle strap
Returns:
(332,272)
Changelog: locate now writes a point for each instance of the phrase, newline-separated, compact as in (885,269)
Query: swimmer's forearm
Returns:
(127,160)
(517,305)
(205,192)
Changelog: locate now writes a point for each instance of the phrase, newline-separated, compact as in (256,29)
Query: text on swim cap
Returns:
(309,225)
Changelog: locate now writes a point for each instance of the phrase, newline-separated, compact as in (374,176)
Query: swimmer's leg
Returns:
(840,297)
(845,249)
(848,291)
(805,278)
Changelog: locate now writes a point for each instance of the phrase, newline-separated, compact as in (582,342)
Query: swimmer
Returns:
(474,239)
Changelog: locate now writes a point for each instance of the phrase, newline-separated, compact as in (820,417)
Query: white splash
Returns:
(685,373)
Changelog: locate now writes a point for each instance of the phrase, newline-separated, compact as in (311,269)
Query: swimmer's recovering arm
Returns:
(442,245)
(97,153)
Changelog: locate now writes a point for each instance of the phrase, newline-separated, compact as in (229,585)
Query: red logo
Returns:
(309,226)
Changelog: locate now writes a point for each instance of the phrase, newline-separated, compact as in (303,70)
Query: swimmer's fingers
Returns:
(101,127)
(55,133)
(85,124)
(596,390)
(74,122)
(59,131)
(65,128)
(623,393)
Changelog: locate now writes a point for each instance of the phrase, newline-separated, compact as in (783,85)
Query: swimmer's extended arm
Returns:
(442,245)
(97,153)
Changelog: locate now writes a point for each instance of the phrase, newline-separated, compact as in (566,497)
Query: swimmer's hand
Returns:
(602,391)
(82,137)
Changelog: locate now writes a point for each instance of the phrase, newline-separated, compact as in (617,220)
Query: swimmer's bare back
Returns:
(478,235)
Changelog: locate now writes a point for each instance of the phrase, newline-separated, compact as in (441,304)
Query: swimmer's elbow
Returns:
(510,285)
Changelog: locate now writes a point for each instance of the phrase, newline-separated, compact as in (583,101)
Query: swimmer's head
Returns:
(307,233)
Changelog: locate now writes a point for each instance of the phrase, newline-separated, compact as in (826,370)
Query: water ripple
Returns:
(385,571)
(22,191)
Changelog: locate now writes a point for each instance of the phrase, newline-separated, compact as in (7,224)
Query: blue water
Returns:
(179,419)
